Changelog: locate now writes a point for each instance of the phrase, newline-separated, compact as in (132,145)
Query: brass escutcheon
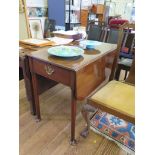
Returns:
(49,70)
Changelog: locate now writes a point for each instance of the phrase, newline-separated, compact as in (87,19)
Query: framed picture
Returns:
(36,28)
(49,27)
(37,11)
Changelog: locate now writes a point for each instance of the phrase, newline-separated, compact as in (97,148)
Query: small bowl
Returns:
(89,44)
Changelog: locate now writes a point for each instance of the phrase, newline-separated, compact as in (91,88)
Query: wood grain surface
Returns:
(50,136)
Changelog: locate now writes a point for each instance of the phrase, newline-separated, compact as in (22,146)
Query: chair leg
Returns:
(125,74)
(117,74)
(85,113)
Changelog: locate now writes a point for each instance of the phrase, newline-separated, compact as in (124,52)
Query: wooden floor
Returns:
(50,136)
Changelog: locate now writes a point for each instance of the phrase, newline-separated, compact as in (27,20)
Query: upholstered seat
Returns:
(117,96)
(125,61)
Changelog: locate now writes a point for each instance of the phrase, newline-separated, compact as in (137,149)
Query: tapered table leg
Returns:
(36,95)
(73,119)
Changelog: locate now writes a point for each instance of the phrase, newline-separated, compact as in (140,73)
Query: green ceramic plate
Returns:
(65,51)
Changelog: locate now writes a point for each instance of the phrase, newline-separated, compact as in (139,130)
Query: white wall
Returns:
(36,3)
(123,8)
(23,33)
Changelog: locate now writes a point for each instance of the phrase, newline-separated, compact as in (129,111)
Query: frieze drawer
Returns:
(52,72)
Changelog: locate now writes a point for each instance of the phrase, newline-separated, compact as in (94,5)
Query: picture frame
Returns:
(21,6)
(49,26)
(36,28)
(24,28)
(37,11)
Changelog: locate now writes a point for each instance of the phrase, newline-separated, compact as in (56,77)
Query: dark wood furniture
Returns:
(126,58)
(20,73)
(82,74)
(84,17)
(95,32)
(124,37)
(24,69)
(44,83)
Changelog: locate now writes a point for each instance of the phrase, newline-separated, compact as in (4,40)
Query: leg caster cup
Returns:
(73,142)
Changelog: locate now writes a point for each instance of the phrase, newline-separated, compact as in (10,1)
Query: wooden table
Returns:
(24,67)
(82,74)
(44,83)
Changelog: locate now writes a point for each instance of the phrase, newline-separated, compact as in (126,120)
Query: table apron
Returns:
(50,71)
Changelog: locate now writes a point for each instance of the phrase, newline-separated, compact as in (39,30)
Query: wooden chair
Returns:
(126,58)
(114,36)
(124,38)
(100,32)
(116,98)
(94,31)
(117,36)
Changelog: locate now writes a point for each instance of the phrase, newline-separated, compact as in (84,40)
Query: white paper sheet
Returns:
(35,41)
(69,32)
(60,41)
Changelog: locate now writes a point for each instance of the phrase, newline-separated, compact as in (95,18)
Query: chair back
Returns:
(118,36)
(131,77)
(122,36)
(112,36)
(128,38)
(94,32)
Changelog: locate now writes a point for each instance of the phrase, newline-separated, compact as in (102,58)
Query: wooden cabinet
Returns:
(84,17)
(98,13)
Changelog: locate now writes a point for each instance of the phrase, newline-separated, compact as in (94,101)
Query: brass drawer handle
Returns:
(49,70)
